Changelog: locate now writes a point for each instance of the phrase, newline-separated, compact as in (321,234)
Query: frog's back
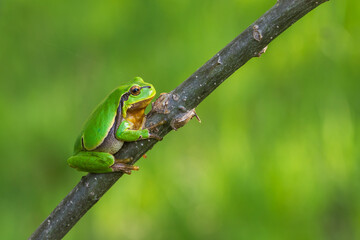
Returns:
(100,122)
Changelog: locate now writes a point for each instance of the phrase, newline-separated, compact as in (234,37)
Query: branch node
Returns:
(256,33)
(262,51)
(182,119)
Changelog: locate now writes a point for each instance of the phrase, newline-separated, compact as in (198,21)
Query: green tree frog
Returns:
(119,118)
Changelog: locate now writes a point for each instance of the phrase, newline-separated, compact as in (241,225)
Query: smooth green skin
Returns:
(99,124)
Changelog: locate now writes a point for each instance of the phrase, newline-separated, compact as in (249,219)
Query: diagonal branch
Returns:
(182,99)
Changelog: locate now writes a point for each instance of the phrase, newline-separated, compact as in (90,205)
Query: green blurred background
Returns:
(276,156)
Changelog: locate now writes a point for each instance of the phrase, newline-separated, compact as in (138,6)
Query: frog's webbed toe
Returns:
(155,136)
(122,166)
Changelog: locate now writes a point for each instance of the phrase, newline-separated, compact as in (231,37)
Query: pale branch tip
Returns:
(250,43)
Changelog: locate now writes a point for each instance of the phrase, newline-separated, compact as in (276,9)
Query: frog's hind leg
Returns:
(94,162)
(99,162)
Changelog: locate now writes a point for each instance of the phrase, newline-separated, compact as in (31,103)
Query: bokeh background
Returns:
(275,157)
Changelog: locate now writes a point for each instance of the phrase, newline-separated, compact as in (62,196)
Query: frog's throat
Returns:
(136,108)
(135,118)
(135,113)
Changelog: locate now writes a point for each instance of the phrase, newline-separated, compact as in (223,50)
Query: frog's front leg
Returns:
(99,162)
(126,134)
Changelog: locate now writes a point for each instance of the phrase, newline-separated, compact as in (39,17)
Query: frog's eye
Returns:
(135,90)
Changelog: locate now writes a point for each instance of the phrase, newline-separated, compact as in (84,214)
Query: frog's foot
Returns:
(153,135)
(122,166)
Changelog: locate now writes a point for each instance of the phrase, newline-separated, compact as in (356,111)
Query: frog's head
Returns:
(139,95)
